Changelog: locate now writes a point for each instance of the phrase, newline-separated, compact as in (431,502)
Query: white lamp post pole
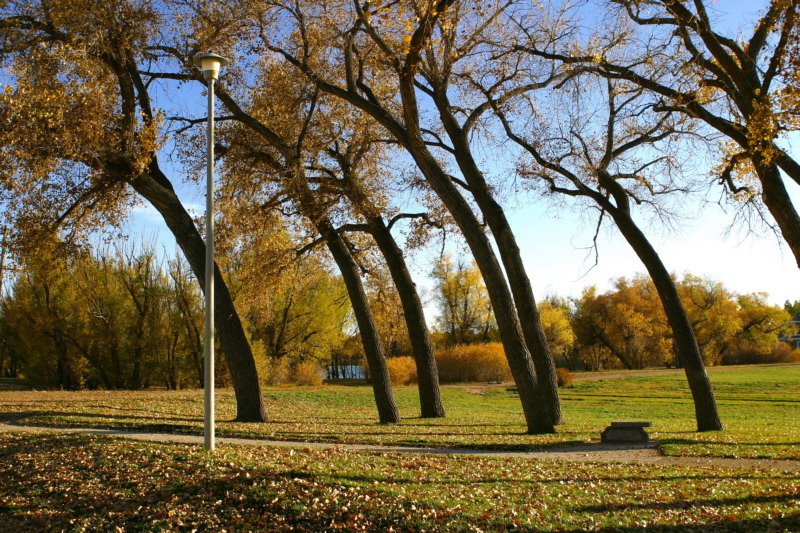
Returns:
(210,65)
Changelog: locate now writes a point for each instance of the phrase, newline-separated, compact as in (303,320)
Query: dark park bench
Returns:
(626,432)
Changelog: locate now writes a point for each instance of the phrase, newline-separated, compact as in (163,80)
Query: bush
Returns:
(564,377)
(741,356)
(277,371)
(402,370)
(747,355)
(783,353)
(307,373)
(473,362)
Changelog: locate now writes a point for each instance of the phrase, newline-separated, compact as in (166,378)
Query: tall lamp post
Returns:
(210,65)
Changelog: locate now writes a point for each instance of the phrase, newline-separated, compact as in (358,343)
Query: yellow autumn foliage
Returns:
(307,373)
(481,363)
(402,370)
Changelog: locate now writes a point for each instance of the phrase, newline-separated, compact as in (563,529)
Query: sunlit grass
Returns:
(759,407)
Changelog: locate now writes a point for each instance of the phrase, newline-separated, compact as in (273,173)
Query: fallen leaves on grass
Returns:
(79,482)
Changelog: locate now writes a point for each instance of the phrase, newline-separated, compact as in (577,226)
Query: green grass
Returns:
(758,405)
(75,483)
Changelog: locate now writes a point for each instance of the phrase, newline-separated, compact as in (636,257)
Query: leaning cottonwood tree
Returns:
(354,172)
(317,155)
(80,134)
(372,57)
(743,86)
(610,146)
(268,147)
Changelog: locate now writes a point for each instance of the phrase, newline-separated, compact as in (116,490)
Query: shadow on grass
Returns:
(548,481)
(17,417)
(191,426)
(695,442)
(789,523)
(131,492)
(686,504)
(373,421)
(687,398)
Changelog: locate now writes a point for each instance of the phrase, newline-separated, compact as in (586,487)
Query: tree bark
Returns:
(408,134)
(686,348)
(427,371)
(779,204)
(518,279)
(370,340)
(534,403)
(157,190)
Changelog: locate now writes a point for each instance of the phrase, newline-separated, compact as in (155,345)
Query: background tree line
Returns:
(624,327)
(122,318)
(115,319)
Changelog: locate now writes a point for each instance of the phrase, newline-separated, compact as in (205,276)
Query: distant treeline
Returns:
(625,327)
(116,320)
(122,318)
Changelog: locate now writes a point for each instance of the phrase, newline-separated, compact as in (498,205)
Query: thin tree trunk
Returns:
(518,279)
(192,332)
(155,188)
(13,364)
(376,360)
(705,405)
(136,375)
(427,371)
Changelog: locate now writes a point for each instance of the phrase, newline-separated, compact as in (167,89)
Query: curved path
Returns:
(592,452)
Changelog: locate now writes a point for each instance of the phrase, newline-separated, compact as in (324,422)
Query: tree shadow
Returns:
(692,442)
(106,493)
(394,480)
(789,523)
(17,417)
(686,504)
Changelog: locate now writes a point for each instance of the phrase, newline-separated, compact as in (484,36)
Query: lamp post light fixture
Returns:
(210,64)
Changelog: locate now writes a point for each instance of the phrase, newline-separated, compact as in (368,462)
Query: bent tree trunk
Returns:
(427,372)
(376,360)
(518,279)
(529,317)
(531,395)
(686,347)
(156,189)
(779,204)
(408,134)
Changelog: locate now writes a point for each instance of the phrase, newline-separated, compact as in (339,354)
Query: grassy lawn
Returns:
(76,483)
(759,407)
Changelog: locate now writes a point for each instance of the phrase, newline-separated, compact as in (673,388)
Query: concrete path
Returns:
(592,452)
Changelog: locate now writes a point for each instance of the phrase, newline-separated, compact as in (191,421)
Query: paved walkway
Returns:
(592,452)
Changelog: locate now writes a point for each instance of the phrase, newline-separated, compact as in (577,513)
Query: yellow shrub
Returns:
(564,377)
(307,373)
(402,370)
(783,353)
(473,362)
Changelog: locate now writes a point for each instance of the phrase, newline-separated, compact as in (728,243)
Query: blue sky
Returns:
(554,241)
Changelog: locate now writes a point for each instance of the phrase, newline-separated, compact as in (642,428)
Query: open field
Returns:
(759,406)
(79,482)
